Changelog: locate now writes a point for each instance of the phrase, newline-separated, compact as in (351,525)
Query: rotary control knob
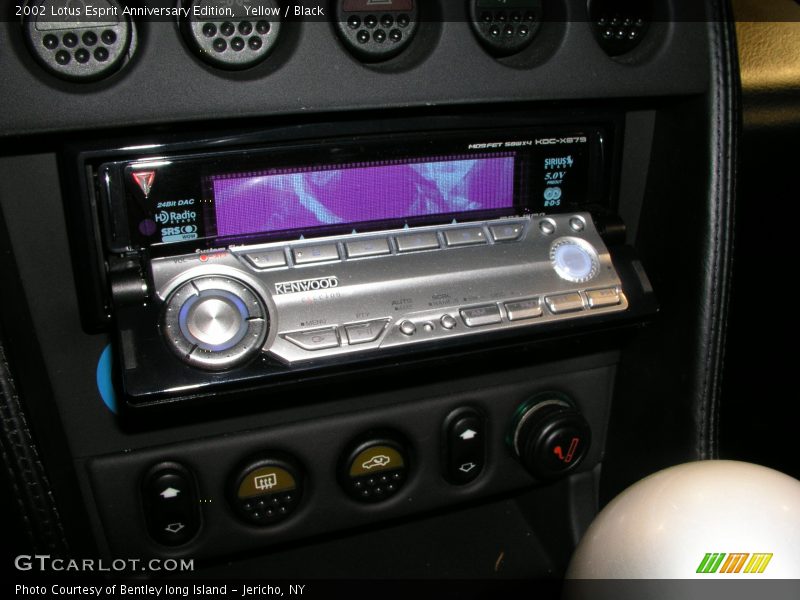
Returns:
(549,436)
(574,260)
(215,322)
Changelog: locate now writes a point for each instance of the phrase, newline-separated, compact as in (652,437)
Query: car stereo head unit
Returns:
(235,269)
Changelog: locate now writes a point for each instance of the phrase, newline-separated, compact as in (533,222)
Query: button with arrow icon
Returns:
(172,510)
(465,447)
(170,492)
(468,434)
(174,527)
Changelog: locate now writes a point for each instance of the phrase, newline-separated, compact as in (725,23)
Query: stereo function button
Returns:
(408,328)
(266,259)
(601,298)
(507,232)
(564,303)
(465,446)
(374,470)
(267,490)
(363,333)
(466,236)
(364,248)
(547,227)
(320,339)
(417,241)
(524,309)
(577,224)
(448,322)
(171,507)
(481,315)
(314,254)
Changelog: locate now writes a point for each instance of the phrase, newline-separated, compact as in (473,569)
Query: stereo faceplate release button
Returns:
(524,309)
(465,236)
(481,315)
(320,339)
(312,254)
(564,303)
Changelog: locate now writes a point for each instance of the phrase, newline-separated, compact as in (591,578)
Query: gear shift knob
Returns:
(709,519)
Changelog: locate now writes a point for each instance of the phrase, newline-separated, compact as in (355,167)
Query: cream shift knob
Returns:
(709,519)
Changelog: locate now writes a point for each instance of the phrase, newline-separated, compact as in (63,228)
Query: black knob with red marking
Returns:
(550,436)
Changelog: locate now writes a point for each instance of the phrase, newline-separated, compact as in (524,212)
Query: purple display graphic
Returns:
(303,198)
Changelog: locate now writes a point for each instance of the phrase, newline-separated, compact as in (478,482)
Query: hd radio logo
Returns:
(736,563)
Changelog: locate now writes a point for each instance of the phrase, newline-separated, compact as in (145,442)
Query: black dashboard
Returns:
(335,447)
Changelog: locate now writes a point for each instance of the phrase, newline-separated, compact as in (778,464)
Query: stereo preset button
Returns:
(364,248)
(465,236)
(481,315)
(564,303)
(266,259)
(408,328)
(417,241)
(321,339)
(363,333)
(506,233)
(601,298)
(314,254)
(524,309)
(448,321)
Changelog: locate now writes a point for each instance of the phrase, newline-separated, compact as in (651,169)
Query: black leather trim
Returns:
(725,111)
(29,484)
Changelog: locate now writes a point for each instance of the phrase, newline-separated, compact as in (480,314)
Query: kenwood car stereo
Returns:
(250,264)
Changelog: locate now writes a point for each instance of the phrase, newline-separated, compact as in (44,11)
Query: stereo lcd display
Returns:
(335,187)
(302,198)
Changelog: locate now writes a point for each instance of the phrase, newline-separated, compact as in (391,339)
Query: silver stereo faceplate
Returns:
(360,293)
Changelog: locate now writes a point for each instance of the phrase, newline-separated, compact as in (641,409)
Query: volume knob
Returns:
(215,322)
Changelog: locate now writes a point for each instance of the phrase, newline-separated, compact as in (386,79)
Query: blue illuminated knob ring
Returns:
(574,260)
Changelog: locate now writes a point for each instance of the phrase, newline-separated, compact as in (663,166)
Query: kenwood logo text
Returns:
(307,285)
